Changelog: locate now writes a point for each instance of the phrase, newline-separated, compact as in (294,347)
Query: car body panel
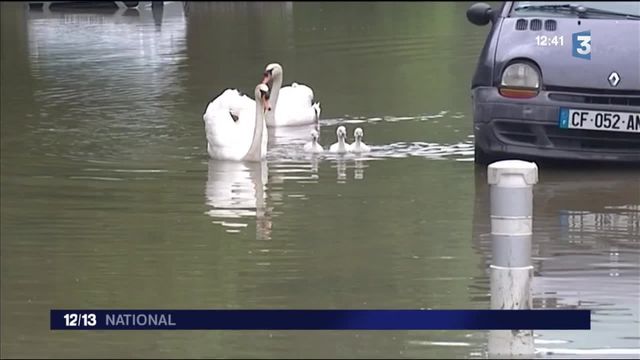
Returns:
(614,46)
(529,128)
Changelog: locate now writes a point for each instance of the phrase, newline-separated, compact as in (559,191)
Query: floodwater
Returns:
(109,199)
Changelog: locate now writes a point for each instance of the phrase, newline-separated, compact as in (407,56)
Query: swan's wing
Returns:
(295,95)
(221,128)
(232,100)
(297,114)
(241,103)
(295,105)
(224,98)
(302,89)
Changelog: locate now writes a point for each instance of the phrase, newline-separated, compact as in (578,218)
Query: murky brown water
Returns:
(110,201)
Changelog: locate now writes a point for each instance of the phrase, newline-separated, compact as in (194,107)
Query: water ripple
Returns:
(462,151)
(354,119)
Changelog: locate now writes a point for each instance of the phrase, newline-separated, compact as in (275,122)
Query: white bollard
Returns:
(511,190)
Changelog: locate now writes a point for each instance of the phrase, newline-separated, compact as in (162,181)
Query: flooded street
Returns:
(109,199)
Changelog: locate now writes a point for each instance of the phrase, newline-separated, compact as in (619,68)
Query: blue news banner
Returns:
(320,319)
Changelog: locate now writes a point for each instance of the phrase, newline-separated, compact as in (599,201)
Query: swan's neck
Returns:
(273,96)
(341,144)
(255,151)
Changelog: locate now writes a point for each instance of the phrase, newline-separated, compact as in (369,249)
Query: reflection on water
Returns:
(358,172)
(236,190)
(104,163)
(341,169)
(98,92)
(586,253)
(588,258)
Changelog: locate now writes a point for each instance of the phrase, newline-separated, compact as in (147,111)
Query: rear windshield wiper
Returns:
(581,10)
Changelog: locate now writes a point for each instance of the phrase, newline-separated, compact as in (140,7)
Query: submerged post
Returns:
(511,196)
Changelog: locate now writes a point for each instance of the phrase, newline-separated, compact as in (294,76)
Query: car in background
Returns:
(558,80)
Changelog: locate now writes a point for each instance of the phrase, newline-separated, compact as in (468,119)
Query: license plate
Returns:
(599,120)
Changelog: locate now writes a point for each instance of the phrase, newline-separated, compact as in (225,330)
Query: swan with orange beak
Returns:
(236,128)
(291,105)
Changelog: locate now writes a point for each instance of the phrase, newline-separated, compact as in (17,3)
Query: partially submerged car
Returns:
(558,81)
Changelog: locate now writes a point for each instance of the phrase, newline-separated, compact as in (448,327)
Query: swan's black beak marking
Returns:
(265,102)
(266,97)
(266,77)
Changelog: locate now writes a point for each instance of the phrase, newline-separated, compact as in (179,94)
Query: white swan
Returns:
(235,125)
(291,105)
(359,146)
(341,146)
(313,146)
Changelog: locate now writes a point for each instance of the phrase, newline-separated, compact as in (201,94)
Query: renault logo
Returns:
(614,79)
